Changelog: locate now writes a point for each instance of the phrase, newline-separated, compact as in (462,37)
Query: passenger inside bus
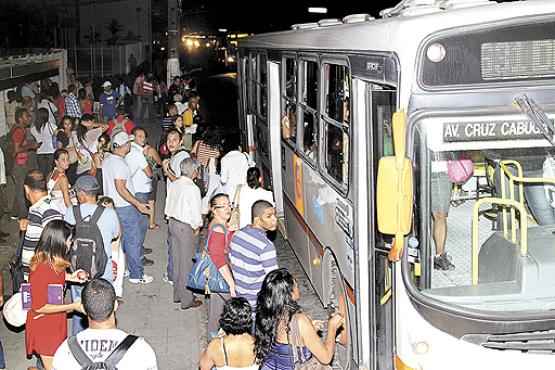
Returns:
(289,123)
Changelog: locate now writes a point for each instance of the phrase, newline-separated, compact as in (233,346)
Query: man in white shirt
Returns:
(98,342)
(250,194)
(234,168)
(119,186)
(183,209)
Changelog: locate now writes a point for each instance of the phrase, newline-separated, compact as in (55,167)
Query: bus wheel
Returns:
(337,301)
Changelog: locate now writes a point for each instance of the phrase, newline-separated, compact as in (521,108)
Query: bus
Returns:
(412,163)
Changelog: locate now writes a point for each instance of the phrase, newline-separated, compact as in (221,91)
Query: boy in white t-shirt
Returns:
(102,337)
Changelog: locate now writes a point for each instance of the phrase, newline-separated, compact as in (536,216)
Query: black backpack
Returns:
(87,252)
(110,363)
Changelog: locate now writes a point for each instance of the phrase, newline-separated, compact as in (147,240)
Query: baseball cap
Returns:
(121,138)
(106,84)
(86,183)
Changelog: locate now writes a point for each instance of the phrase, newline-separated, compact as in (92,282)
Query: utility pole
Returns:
(174,27)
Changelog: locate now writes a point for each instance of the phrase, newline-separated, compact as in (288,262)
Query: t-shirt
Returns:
(108,103)
(99,343)
(234,171)
(128,125)
(136,162)
(175,161)
(44,136)
(87,147)
(247,198)
(114,167)
(252,256)
(18,137)
(108,224)
(52,110)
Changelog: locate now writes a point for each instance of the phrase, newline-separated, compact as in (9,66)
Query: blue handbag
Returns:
(204,275)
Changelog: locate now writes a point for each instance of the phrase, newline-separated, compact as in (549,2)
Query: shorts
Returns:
(440,192)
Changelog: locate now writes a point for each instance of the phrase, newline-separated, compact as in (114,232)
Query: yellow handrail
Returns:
(523,229)
(511,177)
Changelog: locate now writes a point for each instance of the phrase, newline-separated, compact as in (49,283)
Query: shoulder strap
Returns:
(295,339)
(226,360)
(77,214)
(237,197)
(117,354)
(77,352)
(97,213)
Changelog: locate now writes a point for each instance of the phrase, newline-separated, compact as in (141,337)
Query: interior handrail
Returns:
(523,229)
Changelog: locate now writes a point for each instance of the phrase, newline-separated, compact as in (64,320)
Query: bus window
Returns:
(310,134)
(337,91)
(310,84)
(291,79)
(337,153)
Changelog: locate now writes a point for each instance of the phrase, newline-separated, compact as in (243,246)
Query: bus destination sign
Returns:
(490,130)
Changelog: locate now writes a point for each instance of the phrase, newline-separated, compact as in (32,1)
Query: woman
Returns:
(276,309)
(235,349)
(46,325)
(63,141)
(58,184)
(85,141)
(85,103)
(249,194)
(217,240)
(44,134)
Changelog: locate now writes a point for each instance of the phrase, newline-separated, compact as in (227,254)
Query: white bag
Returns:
(13,311)
(549,172)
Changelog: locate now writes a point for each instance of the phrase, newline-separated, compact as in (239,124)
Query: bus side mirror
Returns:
(395,191)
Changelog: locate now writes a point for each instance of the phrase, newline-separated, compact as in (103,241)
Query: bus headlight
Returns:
(436,52)
(421,348)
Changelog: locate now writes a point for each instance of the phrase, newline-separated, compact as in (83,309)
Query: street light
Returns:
(318,10)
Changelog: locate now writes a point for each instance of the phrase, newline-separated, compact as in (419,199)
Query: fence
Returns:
(102,60)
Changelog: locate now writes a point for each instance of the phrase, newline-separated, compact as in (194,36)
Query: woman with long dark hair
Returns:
(57,182)
(234,349)
(44,133)
(46,325)
(85,141)
(217,240)
(276,311)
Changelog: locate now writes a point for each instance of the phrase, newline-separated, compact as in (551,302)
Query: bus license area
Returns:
(491,222)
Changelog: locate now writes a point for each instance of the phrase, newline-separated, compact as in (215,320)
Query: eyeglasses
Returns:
(223,206)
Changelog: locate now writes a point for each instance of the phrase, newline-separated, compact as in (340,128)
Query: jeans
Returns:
(133,226)
(78,321)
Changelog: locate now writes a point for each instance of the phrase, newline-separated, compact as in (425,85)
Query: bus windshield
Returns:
(485,206)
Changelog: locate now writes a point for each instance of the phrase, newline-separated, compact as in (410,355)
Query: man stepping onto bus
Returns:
(252,254)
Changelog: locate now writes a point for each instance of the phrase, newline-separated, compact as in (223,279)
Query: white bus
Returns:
(364,127)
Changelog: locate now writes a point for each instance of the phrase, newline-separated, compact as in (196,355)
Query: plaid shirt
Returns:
(73,109)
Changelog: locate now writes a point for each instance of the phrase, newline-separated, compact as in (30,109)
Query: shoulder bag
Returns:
(204,275)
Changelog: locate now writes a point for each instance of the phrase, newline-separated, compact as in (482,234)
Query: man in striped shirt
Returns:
(252,254)
(41,212)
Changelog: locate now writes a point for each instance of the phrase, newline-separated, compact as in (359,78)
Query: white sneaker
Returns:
(166,279)
(146,279)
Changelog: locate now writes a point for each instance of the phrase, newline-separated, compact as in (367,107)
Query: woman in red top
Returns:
(85,103)
(46,325)
(218,238)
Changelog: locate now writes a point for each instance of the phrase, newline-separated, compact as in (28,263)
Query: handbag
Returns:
(235,218)
(16,268)
(460,171)
(299,359)
(204,275)
(13,311)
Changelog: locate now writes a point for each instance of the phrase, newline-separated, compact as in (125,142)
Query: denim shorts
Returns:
(440,192)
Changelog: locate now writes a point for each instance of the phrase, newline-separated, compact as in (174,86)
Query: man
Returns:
(20,155)
(190,116)
(183,209)
(3,195)
(72,106)
(41,213)
(252,254)
(120,123)
(139,93)
(87,189)
(172,170)
(118,186)
(175,88)
(109,100)
(234,167)
(102,337)
(141,178)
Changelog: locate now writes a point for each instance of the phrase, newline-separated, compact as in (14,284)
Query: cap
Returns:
(86,183)
(121,138)
(106,84)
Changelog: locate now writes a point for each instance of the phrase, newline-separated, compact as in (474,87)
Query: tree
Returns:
(114,27)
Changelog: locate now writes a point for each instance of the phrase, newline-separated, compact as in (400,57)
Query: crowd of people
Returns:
(86,181)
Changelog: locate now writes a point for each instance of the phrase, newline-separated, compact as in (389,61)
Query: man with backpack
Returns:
(103,345)
(120,123)
(95,228)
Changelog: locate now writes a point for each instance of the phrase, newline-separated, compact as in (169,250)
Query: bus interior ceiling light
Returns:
(319,10)
(436,52)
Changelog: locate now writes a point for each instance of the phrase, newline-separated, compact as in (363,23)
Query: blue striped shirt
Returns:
(252,256)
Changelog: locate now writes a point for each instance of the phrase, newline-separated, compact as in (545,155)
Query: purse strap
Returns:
(237,196)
